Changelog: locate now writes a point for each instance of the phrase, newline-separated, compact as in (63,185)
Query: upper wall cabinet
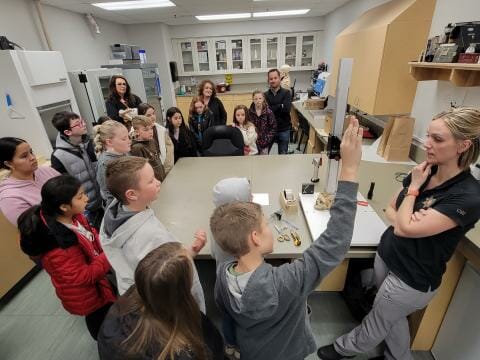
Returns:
(381,42)
(273,51)
(256,49)
(185,52)
(237,54)
(203,55)
(299,50)
(220,48)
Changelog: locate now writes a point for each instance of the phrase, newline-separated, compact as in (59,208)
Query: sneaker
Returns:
(329,353)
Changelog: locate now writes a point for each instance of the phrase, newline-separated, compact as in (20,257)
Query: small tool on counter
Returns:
(278,215)
(283,237)
(278,228)
(296,238)
(370,191)
(316,166)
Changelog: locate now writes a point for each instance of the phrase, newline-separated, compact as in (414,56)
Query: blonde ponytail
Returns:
(103,132)
(464,123)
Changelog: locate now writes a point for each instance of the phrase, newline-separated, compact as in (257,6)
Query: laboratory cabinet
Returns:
(246,54)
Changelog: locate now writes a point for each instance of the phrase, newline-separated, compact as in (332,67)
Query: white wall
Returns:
(248,27)
(81,48)
(435,96)
(17,23)
(155,39)
(69,33)
(338,20)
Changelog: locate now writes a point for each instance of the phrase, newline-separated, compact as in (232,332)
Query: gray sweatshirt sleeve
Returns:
(102,182)
(303,275)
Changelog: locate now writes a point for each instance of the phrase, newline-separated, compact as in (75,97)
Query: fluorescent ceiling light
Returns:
(281,13)
(223,16)
(137,4)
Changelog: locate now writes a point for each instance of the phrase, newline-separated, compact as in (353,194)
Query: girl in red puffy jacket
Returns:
(57,232)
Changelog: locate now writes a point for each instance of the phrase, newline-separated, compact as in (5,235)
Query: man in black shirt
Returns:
(280,101)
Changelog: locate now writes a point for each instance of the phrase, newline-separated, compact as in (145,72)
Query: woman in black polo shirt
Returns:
(437,206)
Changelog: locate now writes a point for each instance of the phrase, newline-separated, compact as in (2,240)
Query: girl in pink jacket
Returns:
(21,188)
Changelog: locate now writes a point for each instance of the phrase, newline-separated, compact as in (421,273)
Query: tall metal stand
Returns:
(341,98)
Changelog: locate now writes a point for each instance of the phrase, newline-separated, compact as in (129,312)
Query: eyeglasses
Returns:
(80,122)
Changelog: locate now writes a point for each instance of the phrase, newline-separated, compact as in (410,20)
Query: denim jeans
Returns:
(282,138)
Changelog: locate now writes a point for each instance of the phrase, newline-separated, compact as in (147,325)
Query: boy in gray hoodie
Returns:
(268,304)
(130,229)
(226,191)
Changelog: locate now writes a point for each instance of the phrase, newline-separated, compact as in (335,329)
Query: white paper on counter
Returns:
(368,229)
(261,199)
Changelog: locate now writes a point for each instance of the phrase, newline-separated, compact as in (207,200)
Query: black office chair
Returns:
(222,140)
(304,127)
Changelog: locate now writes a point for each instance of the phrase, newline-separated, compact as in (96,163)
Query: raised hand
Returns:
(351,150)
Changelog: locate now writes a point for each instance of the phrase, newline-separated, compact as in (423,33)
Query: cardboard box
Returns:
(315,103)
(328,122)
(396,153)
(396,139)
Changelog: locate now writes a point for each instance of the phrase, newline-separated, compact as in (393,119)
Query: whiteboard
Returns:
(368,228)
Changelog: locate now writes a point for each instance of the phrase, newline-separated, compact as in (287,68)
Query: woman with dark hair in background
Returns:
(21,189)
(184,142)
(121,103)
(207,93)
(158,318)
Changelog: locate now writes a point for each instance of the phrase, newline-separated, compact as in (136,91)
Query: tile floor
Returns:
(34,326)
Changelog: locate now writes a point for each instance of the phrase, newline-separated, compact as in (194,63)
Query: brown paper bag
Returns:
(397,139)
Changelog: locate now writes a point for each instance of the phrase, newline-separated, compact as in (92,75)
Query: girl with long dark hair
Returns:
(57,233)
(158,318)
(183,140)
